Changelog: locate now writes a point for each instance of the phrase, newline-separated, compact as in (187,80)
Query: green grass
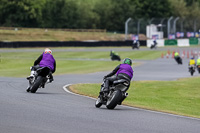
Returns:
(17,64)
(180,97)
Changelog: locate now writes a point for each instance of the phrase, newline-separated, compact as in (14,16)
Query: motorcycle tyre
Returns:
(113,101)
(98,103)
(36,85)
(28,89)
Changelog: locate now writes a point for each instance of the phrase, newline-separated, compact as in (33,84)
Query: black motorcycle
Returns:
(178,59)
(198,68)
(154,45)
(40,78)
(115,96)
(114,56)
(192,69)
(136,44)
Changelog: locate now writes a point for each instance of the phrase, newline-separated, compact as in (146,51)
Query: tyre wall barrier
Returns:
(68,44)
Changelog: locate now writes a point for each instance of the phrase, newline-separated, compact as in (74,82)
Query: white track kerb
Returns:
(67,90)
(67,86)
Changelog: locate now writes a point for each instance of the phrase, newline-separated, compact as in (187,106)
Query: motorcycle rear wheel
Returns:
(114,99)
(36,85)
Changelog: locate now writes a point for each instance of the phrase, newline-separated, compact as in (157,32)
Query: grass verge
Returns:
(180,97)
(56,35)
(17,64)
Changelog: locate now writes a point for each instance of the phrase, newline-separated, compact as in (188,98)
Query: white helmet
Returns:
(47,51)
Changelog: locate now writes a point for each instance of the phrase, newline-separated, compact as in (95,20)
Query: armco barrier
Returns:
(67,44)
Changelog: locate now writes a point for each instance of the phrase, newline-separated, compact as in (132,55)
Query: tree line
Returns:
(91,14)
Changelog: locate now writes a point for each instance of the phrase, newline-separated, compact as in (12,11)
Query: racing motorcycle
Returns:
(192,69)
(178,60)
(40,78)
(136,44)
(154,45)
(115,57)
(115,96)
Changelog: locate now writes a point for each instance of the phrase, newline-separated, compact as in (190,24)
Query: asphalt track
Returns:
(53,110)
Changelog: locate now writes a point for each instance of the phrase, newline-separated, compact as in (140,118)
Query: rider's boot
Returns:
(50,77)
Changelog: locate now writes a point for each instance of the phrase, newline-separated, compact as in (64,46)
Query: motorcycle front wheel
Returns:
(192,72)
(98,103)
(36,84)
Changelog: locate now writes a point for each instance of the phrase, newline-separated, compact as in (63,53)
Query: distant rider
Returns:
(114,55)
(136,44)
(122,71)
(176,55)
(192,62)
(154,45)
(198,61)
(46,59)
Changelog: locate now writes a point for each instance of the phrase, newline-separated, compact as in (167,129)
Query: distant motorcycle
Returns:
(115,96)
(198,68)
(178,59)
(40,78)
(192,69)
(114,56)
(136,44)
(154,45)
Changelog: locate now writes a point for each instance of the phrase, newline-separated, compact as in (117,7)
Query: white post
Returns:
(168,26)
(126,27)
(175,24)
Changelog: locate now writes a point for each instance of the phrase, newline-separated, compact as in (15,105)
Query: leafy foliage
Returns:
(87,14)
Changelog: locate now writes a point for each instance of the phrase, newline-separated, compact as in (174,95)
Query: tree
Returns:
(153,9)
(60,14)
(179,8)
(19,13)
(114,13)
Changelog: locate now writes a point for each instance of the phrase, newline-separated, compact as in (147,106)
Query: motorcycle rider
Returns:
(154,45)
(112,52)
(192,62)
(198,61)
(136,44)
(46,59)
(114,55)
(122,71)
(176,55)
